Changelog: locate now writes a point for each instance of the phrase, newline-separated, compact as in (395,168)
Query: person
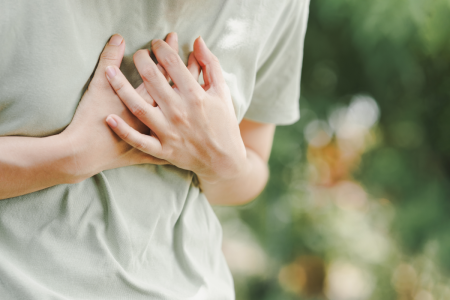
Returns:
(109,197)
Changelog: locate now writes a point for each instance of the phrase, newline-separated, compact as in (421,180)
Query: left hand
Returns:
(192,127)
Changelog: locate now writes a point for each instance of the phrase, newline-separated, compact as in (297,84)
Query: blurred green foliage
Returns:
(397,51)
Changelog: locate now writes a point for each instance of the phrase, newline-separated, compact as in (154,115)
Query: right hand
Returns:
(95,147)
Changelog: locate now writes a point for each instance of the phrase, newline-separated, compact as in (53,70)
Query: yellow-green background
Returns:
(358,203)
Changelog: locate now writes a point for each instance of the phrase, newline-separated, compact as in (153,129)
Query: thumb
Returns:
(172,40)
(111,55)
(210,65)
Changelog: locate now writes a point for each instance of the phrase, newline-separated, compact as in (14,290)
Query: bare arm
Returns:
(246,186)
(85,148)
(195,127)
(30,164)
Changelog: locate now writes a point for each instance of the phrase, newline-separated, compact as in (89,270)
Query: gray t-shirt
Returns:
(145,231)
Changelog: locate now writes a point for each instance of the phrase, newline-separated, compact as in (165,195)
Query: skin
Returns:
(155,123)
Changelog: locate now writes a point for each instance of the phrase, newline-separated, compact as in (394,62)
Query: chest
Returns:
(53,48)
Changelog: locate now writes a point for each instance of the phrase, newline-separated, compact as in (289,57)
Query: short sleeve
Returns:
(277,87)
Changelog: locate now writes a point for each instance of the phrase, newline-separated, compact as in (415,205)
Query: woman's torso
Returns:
(135,232)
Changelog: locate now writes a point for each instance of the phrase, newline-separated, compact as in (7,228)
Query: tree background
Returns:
(358,201)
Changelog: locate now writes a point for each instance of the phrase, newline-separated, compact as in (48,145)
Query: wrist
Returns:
(70,165)
(240,169)
(243,188)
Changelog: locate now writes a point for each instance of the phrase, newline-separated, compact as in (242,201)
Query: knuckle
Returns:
(139,110)
(118,86)
(108,55)
(177,116)
(157,44)
(124,135)
(161,69)
(198,100)
(149,74)
(192,91)
(170,59)
(141,145)
(172,136)
(166,152)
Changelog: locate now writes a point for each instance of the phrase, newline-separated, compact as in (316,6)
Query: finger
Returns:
(172,41)
(173,64)
(144,158)
(142,142)
(161,69)
(145,112)
(111,55)
(155,82)
(193,66)
(212,72)
(144,94)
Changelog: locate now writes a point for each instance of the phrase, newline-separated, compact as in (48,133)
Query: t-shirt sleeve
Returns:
(277,87)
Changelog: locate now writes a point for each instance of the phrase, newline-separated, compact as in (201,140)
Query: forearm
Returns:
(241,189)
(30,164)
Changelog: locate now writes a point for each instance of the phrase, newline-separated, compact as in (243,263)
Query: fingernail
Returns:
(202,42)
(110,72)
(175,36)
(154,41)
(116,40)
(111,122)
